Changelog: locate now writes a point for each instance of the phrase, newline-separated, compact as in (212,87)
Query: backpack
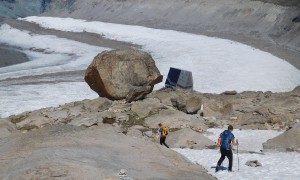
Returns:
(226,138)
(164,131)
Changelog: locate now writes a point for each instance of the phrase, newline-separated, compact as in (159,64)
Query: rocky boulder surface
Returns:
(188,138)
(287,141)
(123,74)
(254,110)
(71,152)
(247,110)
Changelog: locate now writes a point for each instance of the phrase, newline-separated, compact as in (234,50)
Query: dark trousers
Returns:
(228,154)
(163,141)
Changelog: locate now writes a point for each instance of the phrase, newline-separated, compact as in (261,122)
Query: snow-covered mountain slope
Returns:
(255,19)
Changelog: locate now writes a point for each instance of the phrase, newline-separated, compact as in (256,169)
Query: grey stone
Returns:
(193,104)
(122,118)
(148,134)
(134,132)
(123,172)
(145,107)
(253,163)
(87,121)
(188,138)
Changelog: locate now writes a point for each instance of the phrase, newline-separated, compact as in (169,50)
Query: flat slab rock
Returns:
(70,152)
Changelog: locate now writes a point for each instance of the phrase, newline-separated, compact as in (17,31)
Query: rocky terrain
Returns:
(99,152)
(99,138)
(177,109)
(116,139)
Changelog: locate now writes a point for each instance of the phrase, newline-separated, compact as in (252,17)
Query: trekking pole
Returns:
(237,150)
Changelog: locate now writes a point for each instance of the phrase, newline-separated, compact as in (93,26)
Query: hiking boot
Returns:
(217,168)
(229,170)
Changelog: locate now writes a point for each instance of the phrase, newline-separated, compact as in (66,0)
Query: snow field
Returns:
(275,166)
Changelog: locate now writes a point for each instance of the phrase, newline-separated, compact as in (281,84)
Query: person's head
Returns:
(159,125)
(230,128)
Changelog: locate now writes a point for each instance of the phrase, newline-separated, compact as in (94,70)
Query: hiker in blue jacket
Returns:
(227,140)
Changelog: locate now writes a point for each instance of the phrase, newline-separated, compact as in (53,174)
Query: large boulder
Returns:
(121,74)
(287,141)
(189,104)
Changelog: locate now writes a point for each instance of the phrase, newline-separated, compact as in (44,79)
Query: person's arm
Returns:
(219,140)
(234,142)
(159,131)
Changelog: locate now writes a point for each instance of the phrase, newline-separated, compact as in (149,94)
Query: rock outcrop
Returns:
(70,152)
(287,141)
(121,74)
(254,110)
(190,104)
